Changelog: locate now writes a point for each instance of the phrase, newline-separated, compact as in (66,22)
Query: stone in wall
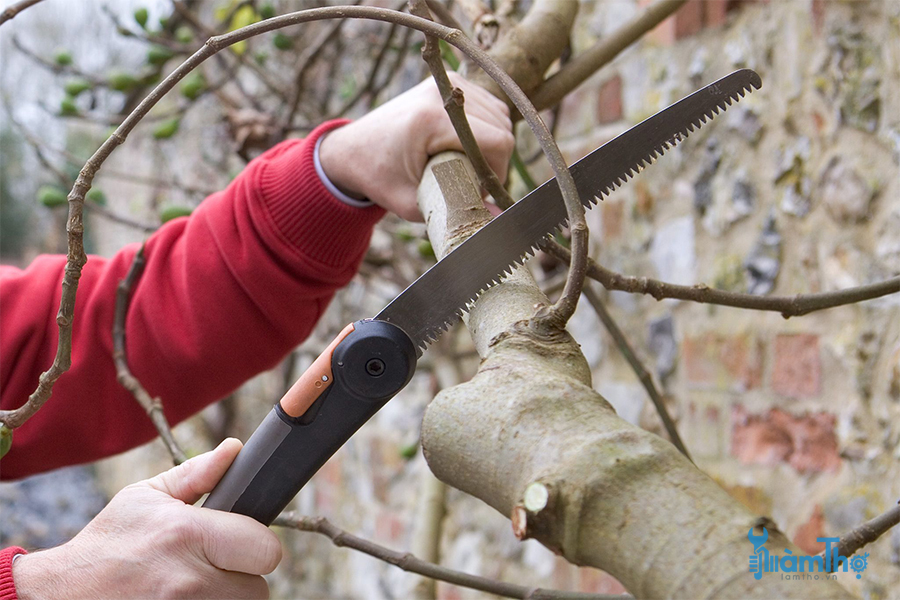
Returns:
(845,193)
(672,251)
(764,262)
(791,176)
(661,341)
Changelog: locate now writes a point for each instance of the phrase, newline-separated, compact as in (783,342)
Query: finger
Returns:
(222,585)
(193,478)
(234,542)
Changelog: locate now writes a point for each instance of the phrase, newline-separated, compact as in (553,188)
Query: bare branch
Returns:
(643,376)
(408,562)
(153,406)
(454,105)
(788,306)
(867,533)
(11,11)
(555,88)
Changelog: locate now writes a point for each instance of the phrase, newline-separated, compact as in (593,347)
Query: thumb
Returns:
(193,478)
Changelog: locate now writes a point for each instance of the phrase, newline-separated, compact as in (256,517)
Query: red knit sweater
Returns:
(226,294)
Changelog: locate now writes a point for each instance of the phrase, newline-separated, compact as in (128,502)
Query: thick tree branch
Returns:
(408,562)
(555,88)
(152,406)
(788,306)
(532,421)
(643,376)
(11,11)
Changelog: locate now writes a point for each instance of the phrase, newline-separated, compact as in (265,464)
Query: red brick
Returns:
(797,370)
(806,535)
(595,581)
(689,19)
(817,8)
(807,442)
(723,362)
(609,101)
(613,220)
(389,528)
(716,12)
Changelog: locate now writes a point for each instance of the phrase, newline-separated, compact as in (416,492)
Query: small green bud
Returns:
(184,34)
(426,250)
(5,440)
(121,81)
(158,55)
(193,85)
(67,107)
(166,129)
(63,58)
(409,451)
(267,11)
(96,196)
(141,15)
(76,86)
(173,212)
(405,235)
(52,196)
(282,42)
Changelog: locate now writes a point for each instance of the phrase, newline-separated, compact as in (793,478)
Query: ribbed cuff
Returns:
(306,214)
(7,585)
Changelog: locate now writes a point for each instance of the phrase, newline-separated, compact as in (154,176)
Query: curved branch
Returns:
(75,226)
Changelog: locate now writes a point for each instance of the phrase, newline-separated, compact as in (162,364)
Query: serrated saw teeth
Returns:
(496,250)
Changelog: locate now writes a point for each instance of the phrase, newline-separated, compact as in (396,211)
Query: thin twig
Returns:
(867,533)
(153,406)
(555,88)
(454,105)
(642,374)
(410,563)
(788,306)
(11,11)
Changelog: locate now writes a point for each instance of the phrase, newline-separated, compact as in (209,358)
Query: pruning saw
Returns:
(371,360)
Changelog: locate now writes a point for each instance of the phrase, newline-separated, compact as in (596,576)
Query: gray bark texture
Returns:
(619,498)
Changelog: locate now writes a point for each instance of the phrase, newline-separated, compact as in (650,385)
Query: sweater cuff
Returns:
(306,214)
(7,586)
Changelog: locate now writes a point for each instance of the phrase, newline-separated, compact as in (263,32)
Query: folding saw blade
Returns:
(438,298)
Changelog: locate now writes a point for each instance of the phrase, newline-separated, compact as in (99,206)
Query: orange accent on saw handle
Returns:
(314,381)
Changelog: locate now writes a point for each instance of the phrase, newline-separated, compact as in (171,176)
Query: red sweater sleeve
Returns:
(226,294)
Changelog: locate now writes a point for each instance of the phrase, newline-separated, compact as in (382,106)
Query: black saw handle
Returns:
(364,367)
